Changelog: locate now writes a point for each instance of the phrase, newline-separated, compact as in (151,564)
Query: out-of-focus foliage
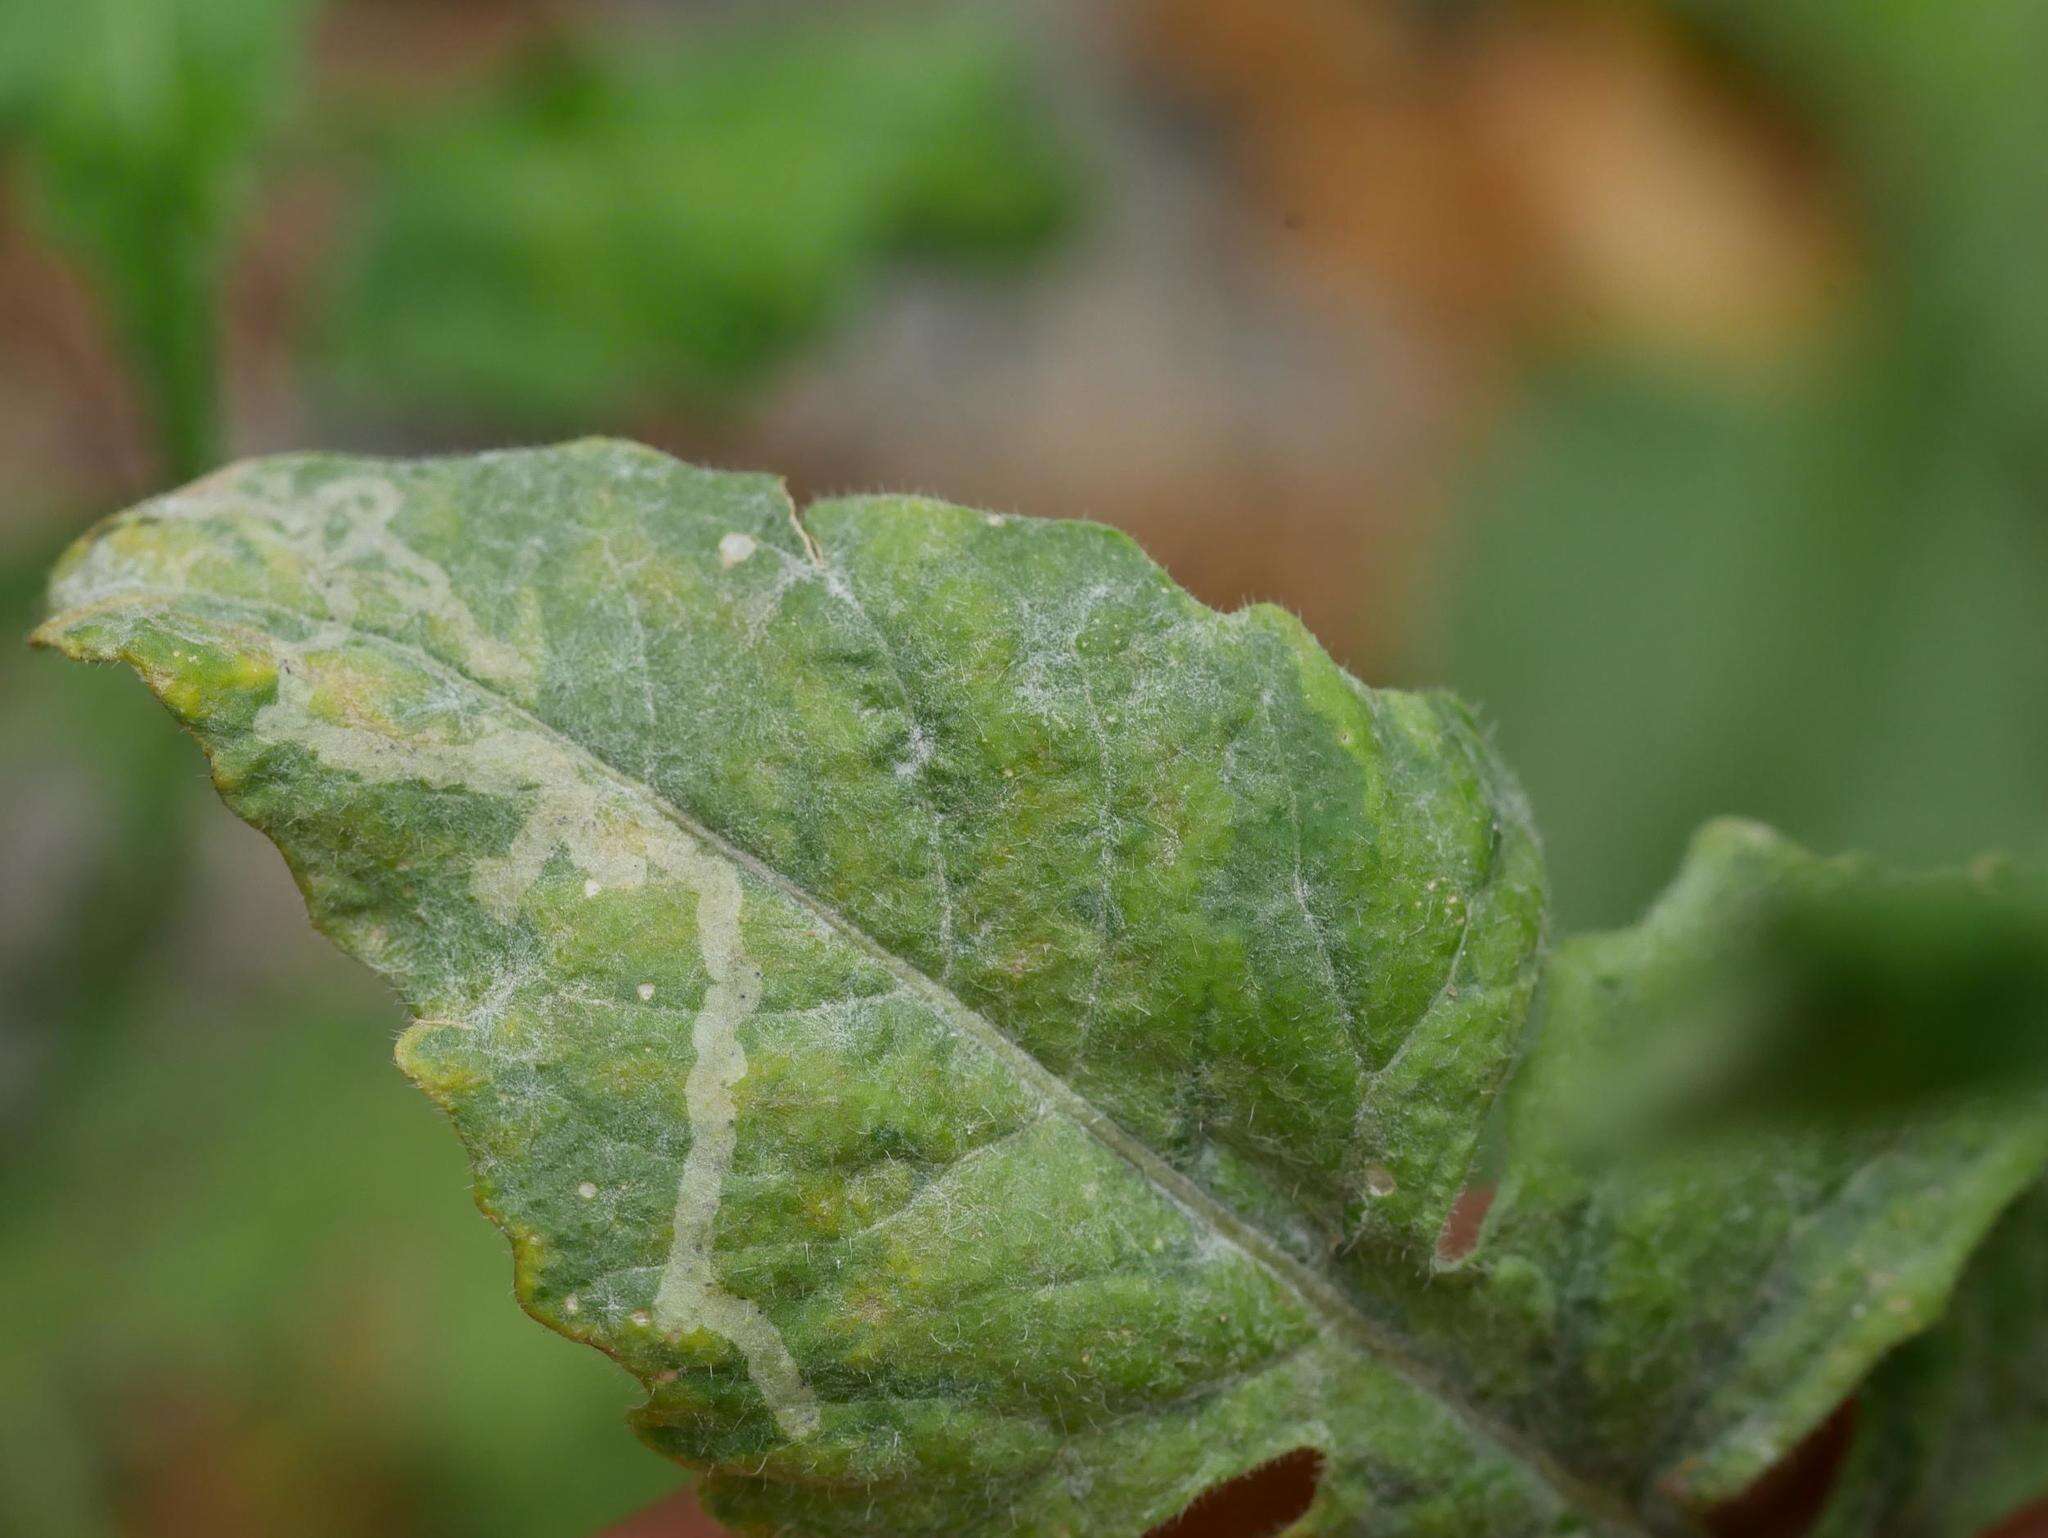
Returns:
(140,121)
(1955,1424)
(1816,599)
(73,761)
(1886,993)
(1683,600)
(1835,992)
(1833,1220)
(263,1312)
(612,220)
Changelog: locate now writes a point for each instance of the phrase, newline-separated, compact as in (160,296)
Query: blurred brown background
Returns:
(1666,376)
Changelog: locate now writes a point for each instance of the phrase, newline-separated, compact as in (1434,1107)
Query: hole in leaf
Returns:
(1460,1235)
(1256,1504)
(1790,1496)
(2028,1522)
(677,1517)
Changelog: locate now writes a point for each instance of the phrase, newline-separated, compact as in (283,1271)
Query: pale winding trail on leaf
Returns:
(690,1293)
(1318,1294)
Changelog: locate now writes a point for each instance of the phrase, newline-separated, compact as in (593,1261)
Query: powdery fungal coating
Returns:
(1028,1030)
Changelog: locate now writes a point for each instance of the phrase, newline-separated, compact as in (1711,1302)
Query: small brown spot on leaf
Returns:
(1462,1224)
(1258,1503)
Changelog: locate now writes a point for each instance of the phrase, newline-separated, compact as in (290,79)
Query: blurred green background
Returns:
(1667,377)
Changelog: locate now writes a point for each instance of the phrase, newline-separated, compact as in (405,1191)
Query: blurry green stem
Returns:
(171,322)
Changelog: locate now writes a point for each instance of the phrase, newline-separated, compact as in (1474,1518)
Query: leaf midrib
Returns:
(1317,1293)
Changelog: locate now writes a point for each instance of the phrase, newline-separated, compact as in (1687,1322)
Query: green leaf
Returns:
(1956,1424)
(1835,990)
(1863,993)
(1710,1302)
(992,1044)
(142,121)
(615,219)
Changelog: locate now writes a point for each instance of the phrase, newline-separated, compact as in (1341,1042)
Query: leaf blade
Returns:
(303,709)
(985,1039)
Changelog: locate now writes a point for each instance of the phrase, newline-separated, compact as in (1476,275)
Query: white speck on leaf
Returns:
(735,548)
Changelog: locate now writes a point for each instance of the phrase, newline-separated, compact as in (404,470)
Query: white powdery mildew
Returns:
(345,535)
(338,540)
(602,828)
